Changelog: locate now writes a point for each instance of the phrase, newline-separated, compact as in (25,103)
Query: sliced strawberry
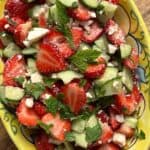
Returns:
(80,13)
(108,146)
(77,34)
(107,133)
(113,122)
(3,22)
(114,33)
(42,141)
(39,108)
(42,22)
(14,67)
(57,39)
(17,8)
(133,61)
(21,32)
(74,96)
(26,116)
(94,32)
(60,126)
(49,60)
(136,95)
(126,130)
(114,1)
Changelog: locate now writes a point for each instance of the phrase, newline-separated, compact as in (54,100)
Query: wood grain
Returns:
(144,6)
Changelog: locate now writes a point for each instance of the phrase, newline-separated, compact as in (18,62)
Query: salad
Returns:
(68,74)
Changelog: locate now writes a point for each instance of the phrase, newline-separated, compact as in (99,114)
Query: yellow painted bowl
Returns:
(133,25)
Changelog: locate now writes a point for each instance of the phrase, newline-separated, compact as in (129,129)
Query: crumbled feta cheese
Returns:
(112,48)
(46,96)
(36,77)
(110,65)
(26,43)
(112,29)
(116,84)
(93,14)
(119,139)
(89,95)
(29,102)
(6,26)
(120,118)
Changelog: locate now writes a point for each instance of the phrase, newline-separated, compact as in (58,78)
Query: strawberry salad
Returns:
(68,74)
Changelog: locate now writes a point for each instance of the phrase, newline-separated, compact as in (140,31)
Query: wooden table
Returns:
(5,142)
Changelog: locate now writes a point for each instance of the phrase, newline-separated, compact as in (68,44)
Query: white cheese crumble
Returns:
(36,77)
(112,29)
(29,102)
(112,48)
(120,118)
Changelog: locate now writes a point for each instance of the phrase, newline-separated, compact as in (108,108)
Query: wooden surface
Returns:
(144,6)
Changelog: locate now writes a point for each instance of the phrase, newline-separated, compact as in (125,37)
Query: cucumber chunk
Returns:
(92,121)
(131,122)
(125,50)
(78,125)
(6,38)
(31,65)
(91,3)
(127,79)
(13,93)
(69,3)
(29,51)
(67,76)
(2,92)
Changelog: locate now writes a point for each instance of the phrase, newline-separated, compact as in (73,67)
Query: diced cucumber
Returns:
(80,139)
(6,38)
(91,3)
(131,122)
(69,3)
(84,46)
(67,76)
(78,125)
(125,50)
(11,50)
(95,47)
(111,87)
(107,12)
(13,93)
(2,92)
(29,51)
(50,2)
(31,65)
(127,79)
(110,73)
(102,43)
(92,121)
(53,13)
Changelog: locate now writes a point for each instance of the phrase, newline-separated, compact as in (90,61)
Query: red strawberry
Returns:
(14,67)
(21,32)
(39,108)
(108,146)
(77,34)
(95,70)
(114,1)
(94,32)
(74,96)
(114,33)
(60,126)
(113,122)
(56,88)
(107,133)
(56,38)
(136,95)
(3,22)
(80,13)
(126,130)
(49,60)
(26,116)
(17,8)
(42,22)
(133,61)
(42,141)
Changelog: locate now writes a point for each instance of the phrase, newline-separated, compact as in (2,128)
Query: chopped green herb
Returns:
(81,59)
(82,82)
(140,135)
(45,126)
(70,137)
(34,89)
(20,80)
(93,133)
(49,81)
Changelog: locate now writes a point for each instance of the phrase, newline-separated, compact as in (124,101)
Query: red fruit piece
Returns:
(26,116)
(60,126)
(74,96)
(57,39)
(77,34)
(42,141)
(94,32)
(126,130)
(113,122)
(17,8)
(103,116)
(39,108)
(3,22)
(133,61)
(14,67)
(107,133)
(42,21)
(114,1)
(80,13)
(114,33)
(21,32)
(108,146)
(49,60)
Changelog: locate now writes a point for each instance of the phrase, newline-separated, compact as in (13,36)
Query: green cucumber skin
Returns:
(90,3)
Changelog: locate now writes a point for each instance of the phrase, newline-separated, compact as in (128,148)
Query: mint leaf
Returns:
(141,135)
(34,89)
(93,133)
(49,81)
(69,137)
(82,82)
(20,80)
(45,127)
(81,59)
